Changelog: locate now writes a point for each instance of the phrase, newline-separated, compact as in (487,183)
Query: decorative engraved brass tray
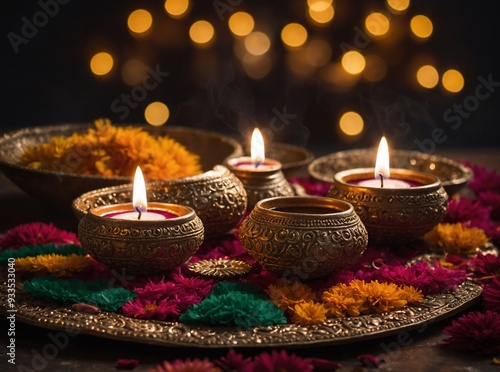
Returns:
(335,331)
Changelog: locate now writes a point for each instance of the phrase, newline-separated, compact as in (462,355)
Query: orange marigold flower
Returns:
(414,296)
(113,151)
(359,297)
(54,264)
(309,313)
(456,238)
(286,295)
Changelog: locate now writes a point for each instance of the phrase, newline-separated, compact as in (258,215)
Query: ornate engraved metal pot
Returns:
(393,216)
(303,237)
(141,247)
(261,184)
(218,198)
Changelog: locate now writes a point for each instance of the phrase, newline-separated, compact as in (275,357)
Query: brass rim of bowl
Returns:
(253,174)
(79,127)
(428,181)
(341,207)
(185,214)
(331,158)
(79,205)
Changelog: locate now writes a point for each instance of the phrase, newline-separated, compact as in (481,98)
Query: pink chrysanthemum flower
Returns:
(484,179)
(234,361)
(485,266)
(491,199)
(36,233)
(154,291)
(227,247)
(491,295)
(476,332)
(311,187)
(281,361)
(188,365)
(150,309)
(467,212)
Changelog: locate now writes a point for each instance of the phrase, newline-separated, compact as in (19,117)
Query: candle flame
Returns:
(257,151)
(382,164)
(139,200)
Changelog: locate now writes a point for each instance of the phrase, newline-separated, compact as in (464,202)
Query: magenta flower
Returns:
(485,266)
(154,291)
(150,309)
(126,364)
(311,186)
(446,278)
(491,199)
(235,362)
(467,212)
(188,365)
(36,233)
(281,361)
(476,332)
(491,295)
(198,286)
(416,275)
(324,365)
(483,180)
(227,247)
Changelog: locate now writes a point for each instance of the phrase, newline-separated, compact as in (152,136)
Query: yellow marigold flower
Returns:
(414,296)
(359,297)
(113,151)
(286,295)
(455,238)
(340,304)
(309,313)
(54,264)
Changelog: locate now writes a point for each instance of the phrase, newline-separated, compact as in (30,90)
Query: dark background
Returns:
(49,81)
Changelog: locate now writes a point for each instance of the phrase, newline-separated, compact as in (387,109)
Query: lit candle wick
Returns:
(138,210)
(381,180)
(257,163)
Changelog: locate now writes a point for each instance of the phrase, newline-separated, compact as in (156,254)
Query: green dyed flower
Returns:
(36,250)
(234,304)
(71,291)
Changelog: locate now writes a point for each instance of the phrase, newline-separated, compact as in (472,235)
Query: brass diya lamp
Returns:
(397,206)
(261,177)
(217,196)
(138,238)
(303,237)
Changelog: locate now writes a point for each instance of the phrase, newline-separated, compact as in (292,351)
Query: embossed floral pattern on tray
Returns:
(335,331)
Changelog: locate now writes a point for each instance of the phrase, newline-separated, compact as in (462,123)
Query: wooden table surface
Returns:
(421,350)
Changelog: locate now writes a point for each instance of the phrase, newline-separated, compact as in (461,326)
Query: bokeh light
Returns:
(256,67)
(101,63)
(321,12)
(177,8)
(294,35)
(398,5)
(133,72)
(257,43)
(375,69)
(351,123)
(427,76)
(202,32)
(318,52)
(453,81)
(241,23)
(156,113)
(377,24)
(421,26)
(353,62)
(139,21)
